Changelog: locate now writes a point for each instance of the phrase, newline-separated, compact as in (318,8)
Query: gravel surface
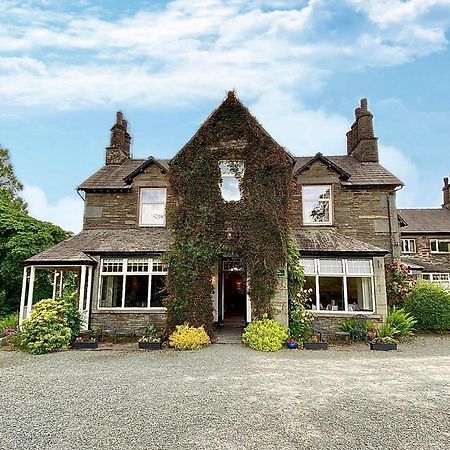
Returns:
(228,397)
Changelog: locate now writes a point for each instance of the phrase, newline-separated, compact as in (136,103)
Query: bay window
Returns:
(339,285)
(132,283)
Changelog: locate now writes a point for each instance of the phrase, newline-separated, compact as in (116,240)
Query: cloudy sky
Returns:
(67,66)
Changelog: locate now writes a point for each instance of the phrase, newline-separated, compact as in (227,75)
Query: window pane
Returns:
(359,267)
(111,291)
(158,290)
(310,288)
(309,266)
(153,214)
(316,212)
(316,193)
(153,195)
(136,291)
(112,265)
(331,291)
(230,189)
(444,246)
(359,291)
(137,265)
(434,245)
(333,266)
(158,266)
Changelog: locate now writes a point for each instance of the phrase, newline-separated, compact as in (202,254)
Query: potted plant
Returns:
(292,344)
(97,333)
(315,344)
(383,344)
(84,342)
(5,336)
(150,340)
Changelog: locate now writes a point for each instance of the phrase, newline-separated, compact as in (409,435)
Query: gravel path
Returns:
(228,397)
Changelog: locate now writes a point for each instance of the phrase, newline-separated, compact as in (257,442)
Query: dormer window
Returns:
(317,205)
(231,174)
(152,208)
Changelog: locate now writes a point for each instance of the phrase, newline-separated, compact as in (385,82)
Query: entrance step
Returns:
(229,335)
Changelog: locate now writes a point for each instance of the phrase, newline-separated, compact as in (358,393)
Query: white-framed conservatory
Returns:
(339,285)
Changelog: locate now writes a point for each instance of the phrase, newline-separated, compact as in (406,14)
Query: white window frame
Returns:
(232,175)
(345,274)
(409,246)
(143,189)
(329,200)
(123,273)
(442,278)
(436,240)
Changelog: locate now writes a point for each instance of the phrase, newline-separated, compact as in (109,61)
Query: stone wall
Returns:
(365,213)
(128,321)
(280,301)
(424,251)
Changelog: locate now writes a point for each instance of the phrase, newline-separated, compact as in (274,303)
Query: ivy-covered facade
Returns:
(204,237)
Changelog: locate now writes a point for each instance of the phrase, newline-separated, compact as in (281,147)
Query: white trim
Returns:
(23,294)
(330,205)
(55,280)
(437,246)
(82,289)
(30,291)
(248,301)
(406,242)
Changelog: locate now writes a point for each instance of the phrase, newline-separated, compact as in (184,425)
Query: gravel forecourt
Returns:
(228,397)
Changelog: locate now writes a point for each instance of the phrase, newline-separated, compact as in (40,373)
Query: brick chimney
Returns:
(361,141)
(446,191)
(120,145)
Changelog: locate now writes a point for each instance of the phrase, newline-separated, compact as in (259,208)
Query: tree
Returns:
(10,186)
(22,236)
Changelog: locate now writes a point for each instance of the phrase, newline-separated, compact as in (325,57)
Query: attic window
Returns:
(317,205)
(231,175)
(152,207)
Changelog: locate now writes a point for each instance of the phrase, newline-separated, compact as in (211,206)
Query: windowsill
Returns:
(345,313)
(318,224)
(151,226)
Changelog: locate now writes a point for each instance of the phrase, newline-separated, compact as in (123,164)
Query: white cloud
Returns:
(188,50)
(67,212)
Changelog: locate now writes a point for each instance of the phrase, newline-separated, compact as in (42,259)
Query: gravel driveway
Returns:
(228,397)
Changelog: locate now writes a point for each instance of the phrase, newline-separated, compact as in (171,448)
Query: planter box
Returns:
(149,345)
(315,345)
(382,347)
(83,345)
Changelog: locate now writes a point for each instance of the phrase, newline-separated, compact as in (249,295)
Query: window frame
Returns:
(330,205)
(409,241)
(231,175)
(141,190)
(437,240)
(123,273)
(345,275)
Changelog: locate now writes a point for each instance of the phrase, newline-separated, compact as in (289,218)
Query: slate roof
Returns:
(361,173)
(92,242)
(423,266)
(112,176)
(425,220)
(332,241)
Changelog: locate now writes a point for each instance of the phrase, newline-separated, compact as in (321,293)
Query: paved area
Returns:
(228,397)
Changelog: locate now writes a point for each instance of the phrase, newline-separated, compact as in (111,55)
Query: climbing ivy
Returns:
(204,226)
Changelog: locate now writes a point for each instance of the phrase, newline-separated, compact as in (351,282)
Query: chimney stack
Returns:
(446,191)
(361,141)
(119,149)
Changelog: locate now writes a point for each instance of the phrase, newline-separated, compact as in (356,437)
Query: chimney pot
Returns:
(364,104)
(119,117)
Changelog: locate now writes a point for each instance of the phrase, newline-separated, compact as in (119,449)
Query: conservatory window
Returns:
(132,283)
(339,285)
(231,175)
(317,205)
(152,207)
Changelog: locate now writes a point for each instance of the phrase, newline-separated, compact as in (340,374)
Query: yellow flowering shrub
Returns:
(189,338)
(265,335)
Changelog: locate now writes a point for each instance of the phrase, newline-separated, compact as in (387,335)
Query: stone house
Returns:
(343,217)
(425,240)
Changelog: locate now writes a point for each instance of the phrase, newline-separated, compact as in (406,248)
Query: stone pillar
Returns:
(380,299)
(280,302)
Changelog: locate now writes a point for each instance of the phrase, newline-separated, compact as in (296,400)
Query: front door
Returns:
(234,292)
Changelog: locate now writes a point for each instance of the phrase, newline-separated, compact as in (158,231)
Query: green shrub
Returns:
(265,335)
(8,322)
(189,338)
(430,305)
(53,324)
(356,328)
(401,322)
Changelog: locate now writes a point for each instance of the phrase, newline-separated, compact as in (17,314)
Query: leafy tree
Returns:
(10,186)
(22,236)
(398,283)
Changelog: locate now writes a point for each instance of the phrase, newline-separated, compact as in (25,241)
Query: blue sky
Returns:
(301,66)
